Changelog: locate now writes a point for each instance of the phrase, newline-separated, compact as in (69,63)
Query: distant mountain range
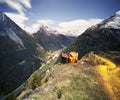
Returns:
(20,55)
(51,39)
(104,36)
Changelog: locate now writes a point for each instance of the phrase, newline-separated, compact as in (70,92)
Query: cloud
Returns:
(21,7)
(76,27)
(26,3)
(18,19)
(46,22)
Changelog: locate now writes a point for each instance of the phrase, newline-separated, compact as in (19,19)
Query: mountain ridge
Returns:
(97,38)
(20,55)
(51,39)
(112,22)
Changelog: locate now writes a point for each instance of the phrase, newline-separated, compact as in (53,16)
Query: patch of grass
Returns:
(36,97)
(34,81)
(46,66)
(87,87)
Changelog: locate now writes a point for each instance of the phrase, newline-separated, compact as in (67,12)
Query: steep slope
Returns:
(94,77)
(68,82)
(50,40)
(20,55)
(102,37)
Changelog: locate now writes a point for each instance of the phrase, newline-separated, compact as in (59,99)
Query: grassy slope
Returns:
(79,82)
(108,74)
(70,82)
(98,79)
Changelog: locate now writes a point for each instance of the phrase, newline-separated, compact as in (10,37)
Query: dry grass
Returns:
(109,77)
(70,82)
(97,79)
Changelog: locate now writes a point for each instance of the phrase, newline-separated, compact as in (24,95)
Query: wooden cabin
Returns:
(71,57)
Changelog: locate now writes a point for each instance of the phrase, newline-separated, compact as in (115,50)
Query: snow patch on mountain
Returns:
(45,27)
(7,30)
(48,30)
(114,25)
(2,16)
(117,13)
(112,22)
(15,38)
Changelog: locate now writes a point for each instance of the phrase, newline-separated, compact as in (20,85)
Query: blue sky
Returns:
(62,14)
(63,10)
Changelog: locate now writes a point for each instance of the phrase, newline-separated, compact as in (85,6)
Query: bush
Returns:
(59,94)
(34,81)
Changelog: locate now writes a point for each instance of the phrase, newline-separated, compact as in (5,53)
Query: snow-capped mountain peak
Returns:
(48,30)
(112,22)
(118,13)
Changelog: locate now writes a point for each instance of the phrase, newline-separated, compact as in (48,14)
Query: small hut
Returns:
(71,57)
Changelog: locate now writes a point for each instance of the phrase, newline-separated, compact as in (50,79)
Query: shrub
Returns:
(59,93)
(34,81)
